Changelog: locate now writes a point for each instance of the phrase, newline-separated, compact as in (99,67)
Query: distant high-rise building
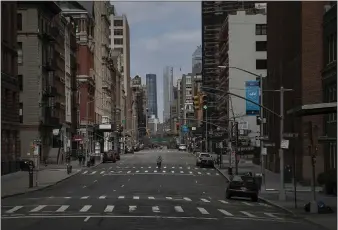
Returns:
(197,60)
(167,92)
(151,94)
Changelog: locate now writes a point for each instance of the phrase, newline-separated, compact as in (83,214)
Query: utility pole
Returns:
(261,129)
(237,148)
(206,129)
(282,195)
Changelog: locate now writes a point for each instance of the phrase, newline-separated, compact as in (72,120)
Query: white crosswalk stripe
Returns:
(109,208)
(85,208)
(151,198)
(169,198)
(93,173)
(102,172)
(186,198)
(246,203)
(129,172)
(205,200)
(136,197)
(39,208)
(16,208)
(156,209)
(146,171)
(247,214)
(85,172)
(181,172)
(84,197)
(121,197)
(155,171)
(62,208)
(132,208)
(271,215)
(225,212)
(102,197)
(178,209)
(224,202)
(203,211)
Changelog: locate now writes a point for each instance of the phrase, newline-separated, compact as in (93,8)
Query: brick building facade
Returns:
(295,61)
(10,125)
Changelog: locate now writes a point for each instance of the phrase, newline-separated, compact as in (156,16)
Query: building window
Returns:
(20,82)
(261,45)
(21,113)
(118,32)
(118,41)
(19,21)
(261,64)
(20,54)
(118,23)
(332,47)
(261,29)
(333,155)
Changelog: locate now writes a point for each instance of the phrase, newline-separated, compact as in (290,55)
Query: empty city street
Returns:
(134,194)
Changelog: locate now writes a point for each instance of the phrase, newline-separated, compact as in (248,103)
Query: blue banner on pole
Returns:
(252,93)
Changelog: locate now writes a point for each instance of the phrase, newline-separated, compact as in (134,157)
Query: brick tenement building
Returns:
(10,126)
(295,51)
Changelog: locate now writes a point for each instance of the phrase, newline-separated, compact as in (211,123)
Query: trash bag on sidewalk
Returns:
(322,208)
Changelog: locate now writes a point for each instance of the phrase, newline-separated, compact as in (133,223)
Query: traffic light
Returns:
(204,101)
(196,102)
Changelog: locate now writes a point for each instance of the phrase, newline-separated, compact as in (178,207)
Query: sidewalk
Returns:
(269,194)
(18,183)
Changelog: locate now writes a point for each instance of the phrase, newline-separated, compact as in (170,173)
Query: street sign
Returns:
(264,151)
(205,107)
(185,129)
(285,144)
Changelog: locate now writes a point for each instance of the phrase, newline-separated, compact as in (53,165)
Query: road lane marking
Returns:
(199,173)
(181,172)
(62,208)
(262,204)
(247,214)
(136,197)
(84,197)
(102,172)
(225,212)
(223,201)
(180,167)
(151,198)
(67,197)
(155,171)
(112,171)
(217,174)
(132,208)
(109,208)
(173,167)
(178,209)
(149,167)
(93,173)
(122,186)
(172,171)
(169,198)
(208,173)
(246,203)
(85,172)
(129,172)
(39,208)
(146,171)
(188,168)
(271,215)
(85,208)
(102,197)
(205,200)
(156,209)
(203,211)
(164,171)
(141,167)
(16,208)
(137,171)
(133,167)
(84,186)
(190,172)
(186,198)
(196,168)
(87,218)
(121,197)
(165,167)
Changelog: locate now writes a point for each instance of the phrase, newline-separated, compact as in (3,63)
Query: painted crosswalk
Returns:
(139,210)
(153,170)
(154,198)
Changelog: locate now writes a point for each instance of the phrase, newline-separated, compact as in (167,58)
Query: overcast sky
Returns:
(162,33)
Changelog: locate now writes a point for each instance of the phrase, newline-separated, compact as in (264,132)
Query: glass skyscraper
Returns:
(151,94)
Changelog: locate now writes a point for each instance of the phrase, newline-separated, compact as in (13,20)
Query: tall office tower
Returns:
(151,94)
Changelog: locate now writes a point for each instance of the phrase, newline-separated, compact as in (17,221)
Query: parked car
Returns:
(129,149)
(109,156)
(242,186)
(205,159)
(182,147)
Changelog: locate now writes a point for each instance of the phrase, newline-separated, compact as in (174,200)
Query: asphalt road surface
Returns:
(134,194)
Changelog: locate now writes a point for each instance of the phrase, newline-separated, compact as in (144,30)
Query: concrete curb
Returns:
(42,188)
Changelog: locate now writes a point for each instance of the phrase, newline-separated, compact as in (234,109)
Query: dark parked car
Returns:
(109,156)
(242,186)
